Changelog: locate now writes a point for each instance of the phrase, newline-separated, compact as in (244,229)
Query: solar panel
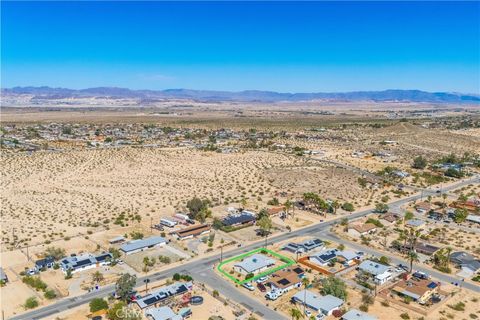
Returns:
(298,270)
(284,282)
(151,300)
(83,263)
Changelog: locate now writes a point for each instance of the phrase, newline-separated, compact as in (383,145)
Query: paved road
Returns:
(202,270)
(395,259)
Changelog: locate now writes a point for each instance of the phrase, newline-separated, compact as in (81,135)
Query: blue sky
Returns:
(288,47)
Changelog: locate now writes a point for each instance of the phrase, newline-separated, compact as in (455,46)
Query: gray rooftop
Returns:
(142,243)
(255,262)
(373,268)
(324,304)
(355,314)
(415,222)
(162,313)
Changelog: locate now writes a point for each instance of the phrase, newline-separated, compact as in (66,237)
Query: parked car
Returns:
(262,279)
(261,287)
(248,286)
(421,275)
(32,272)
(320,316)
(273,295)
(308,313)
(404,267)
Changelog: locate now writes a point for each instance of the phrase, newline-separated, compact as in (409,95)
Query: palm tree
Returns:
(413,236)
(295,313)
(288,205)
(448,254)
(412,256)
(335,205)
(305,283)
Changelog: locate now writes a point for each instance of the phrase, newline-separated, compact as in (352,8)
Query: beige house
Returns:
(358,230)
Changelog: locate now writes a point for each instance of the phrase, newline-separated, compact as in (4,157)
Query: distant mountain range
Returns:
(246,96)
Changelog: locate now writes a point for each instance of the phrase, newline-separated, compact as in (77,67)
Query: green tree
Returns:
(460,215)
(347,206)
(31,303)
(50,294)
(381,207)
(265,224)
(136,235)
(203,214)
(384,260)
(195,205)
(68,274)
(115,254)
(124,285)
(454,173)
(419,162)
(412,257)
(334,286)
(408,215)
(56,253)
(305,283)
(288,206)
(98,304)
(295,314)
(335,206)
(97,276)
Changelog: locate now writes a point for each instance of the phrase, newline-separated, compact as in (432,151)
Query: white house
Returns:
(322,304)
(379,273)
(143,244)
(84,262)
(254,264)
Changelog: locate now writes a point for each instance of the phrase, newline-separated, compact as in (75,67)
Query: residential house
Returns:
(303,247)
(468,264)
(44,263)
(324,257)
(321,304)
(238,219)
(415,223)
(162,313)
(143,244)
(419,290)
(358,230)
(425,248)
(255,263)
(389,218)
(84,262)
(423,207)
(286,279)
(192,231)
(275,211)
(473,218)
(347,257)
(375,271)
(117,240)
(354,314)
(164,294)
